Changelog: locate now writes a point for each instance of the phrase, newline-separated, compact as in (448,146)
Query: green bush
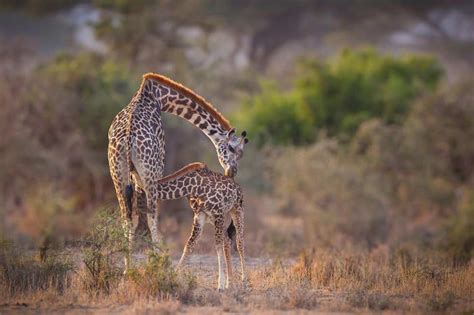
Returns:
(338,96)
(277,117)
(102,247)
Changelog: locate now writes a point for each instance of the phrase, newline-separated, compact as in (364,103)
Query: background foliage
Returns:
(350,146)
(338,95)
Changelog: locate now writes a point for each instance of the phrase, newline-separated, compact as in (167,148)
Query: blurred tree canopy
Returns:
(336,96)
(97,89)
(67,105)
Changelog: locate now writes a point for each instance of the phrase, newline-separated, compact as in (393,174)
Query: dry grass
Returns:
(322,281)
(383,279)
(22,274)
(380,280)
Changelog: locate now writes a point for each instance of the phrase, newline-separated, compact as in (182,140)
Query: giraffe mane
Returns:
(183,171)
(178,87)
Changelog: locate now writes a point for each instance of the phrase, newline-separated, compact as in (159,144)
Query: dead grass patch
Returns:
(22,274)
(378,281)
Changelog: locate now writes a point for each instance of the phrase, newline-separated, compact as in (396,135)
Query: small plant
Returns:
(158,278)
(158,275)
(102,247)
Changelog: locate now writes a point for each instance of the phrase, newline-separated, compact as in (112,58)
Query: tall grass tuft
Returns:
(158,278)
(21,273)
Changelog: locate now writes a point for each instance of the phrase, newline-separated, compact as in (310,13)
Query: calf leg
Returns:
(219,237)
(228,260)
(198,223)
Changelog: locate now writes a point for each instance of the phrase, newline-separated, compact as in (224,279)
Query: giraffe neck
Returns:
(180,101)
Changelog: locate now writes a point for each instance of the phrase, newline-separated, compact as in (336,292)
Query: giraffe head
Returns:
(230,150)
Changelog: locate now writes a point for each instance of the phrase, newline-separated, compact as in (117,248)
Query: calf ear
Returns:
(232,131)
(246,140)
(244,133)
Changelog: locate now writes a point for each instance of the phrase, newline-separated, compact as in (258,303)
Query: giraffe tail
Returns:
(128,200)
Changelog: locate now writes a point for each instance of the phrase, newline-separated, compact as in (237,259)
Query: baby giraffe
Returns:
(215,197)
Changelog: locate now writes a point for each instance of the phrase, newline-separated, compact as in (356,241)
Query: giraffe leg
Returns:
(152,218)
(142,226)
(238,218)
(124,192)
(219,237)
(149,168)
(228,260)
(199,219)
(128,233)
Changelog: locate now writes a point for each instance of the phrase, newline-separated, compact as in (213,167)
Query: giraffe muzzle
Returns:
(230,172)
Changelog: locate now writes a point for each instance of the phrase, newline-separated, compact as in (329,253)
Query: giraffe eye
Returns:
(231,149)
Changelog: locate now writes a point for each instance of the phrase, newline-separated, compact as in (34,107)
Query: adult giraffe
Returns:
(137,149)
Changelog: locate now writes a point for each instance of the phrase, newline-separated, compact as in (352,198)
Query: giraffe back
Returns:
(204,187)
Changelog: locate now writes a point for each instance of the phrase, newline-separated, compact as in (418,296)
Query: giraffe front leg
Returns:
(198,223)
(219,237)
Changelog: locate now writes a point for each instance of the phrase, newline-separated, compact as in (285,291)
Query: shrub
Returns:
(158,278)
(338,96)
(102,247)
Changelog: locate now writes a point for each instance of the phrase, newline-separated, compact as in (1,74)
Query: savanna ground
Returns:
(88,278)
(358,178)
(347,284)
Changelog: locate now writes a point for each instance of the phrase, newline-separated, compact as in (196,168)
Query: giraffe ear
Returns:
(244,133)
(246,140)
(232,131)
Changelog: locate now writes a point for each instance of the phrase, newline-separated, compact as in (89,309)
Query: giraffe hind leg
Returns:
(128,194)
(238,218)
(228,260)
(231,232)
(120,173)
(219,239)
(142,225)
